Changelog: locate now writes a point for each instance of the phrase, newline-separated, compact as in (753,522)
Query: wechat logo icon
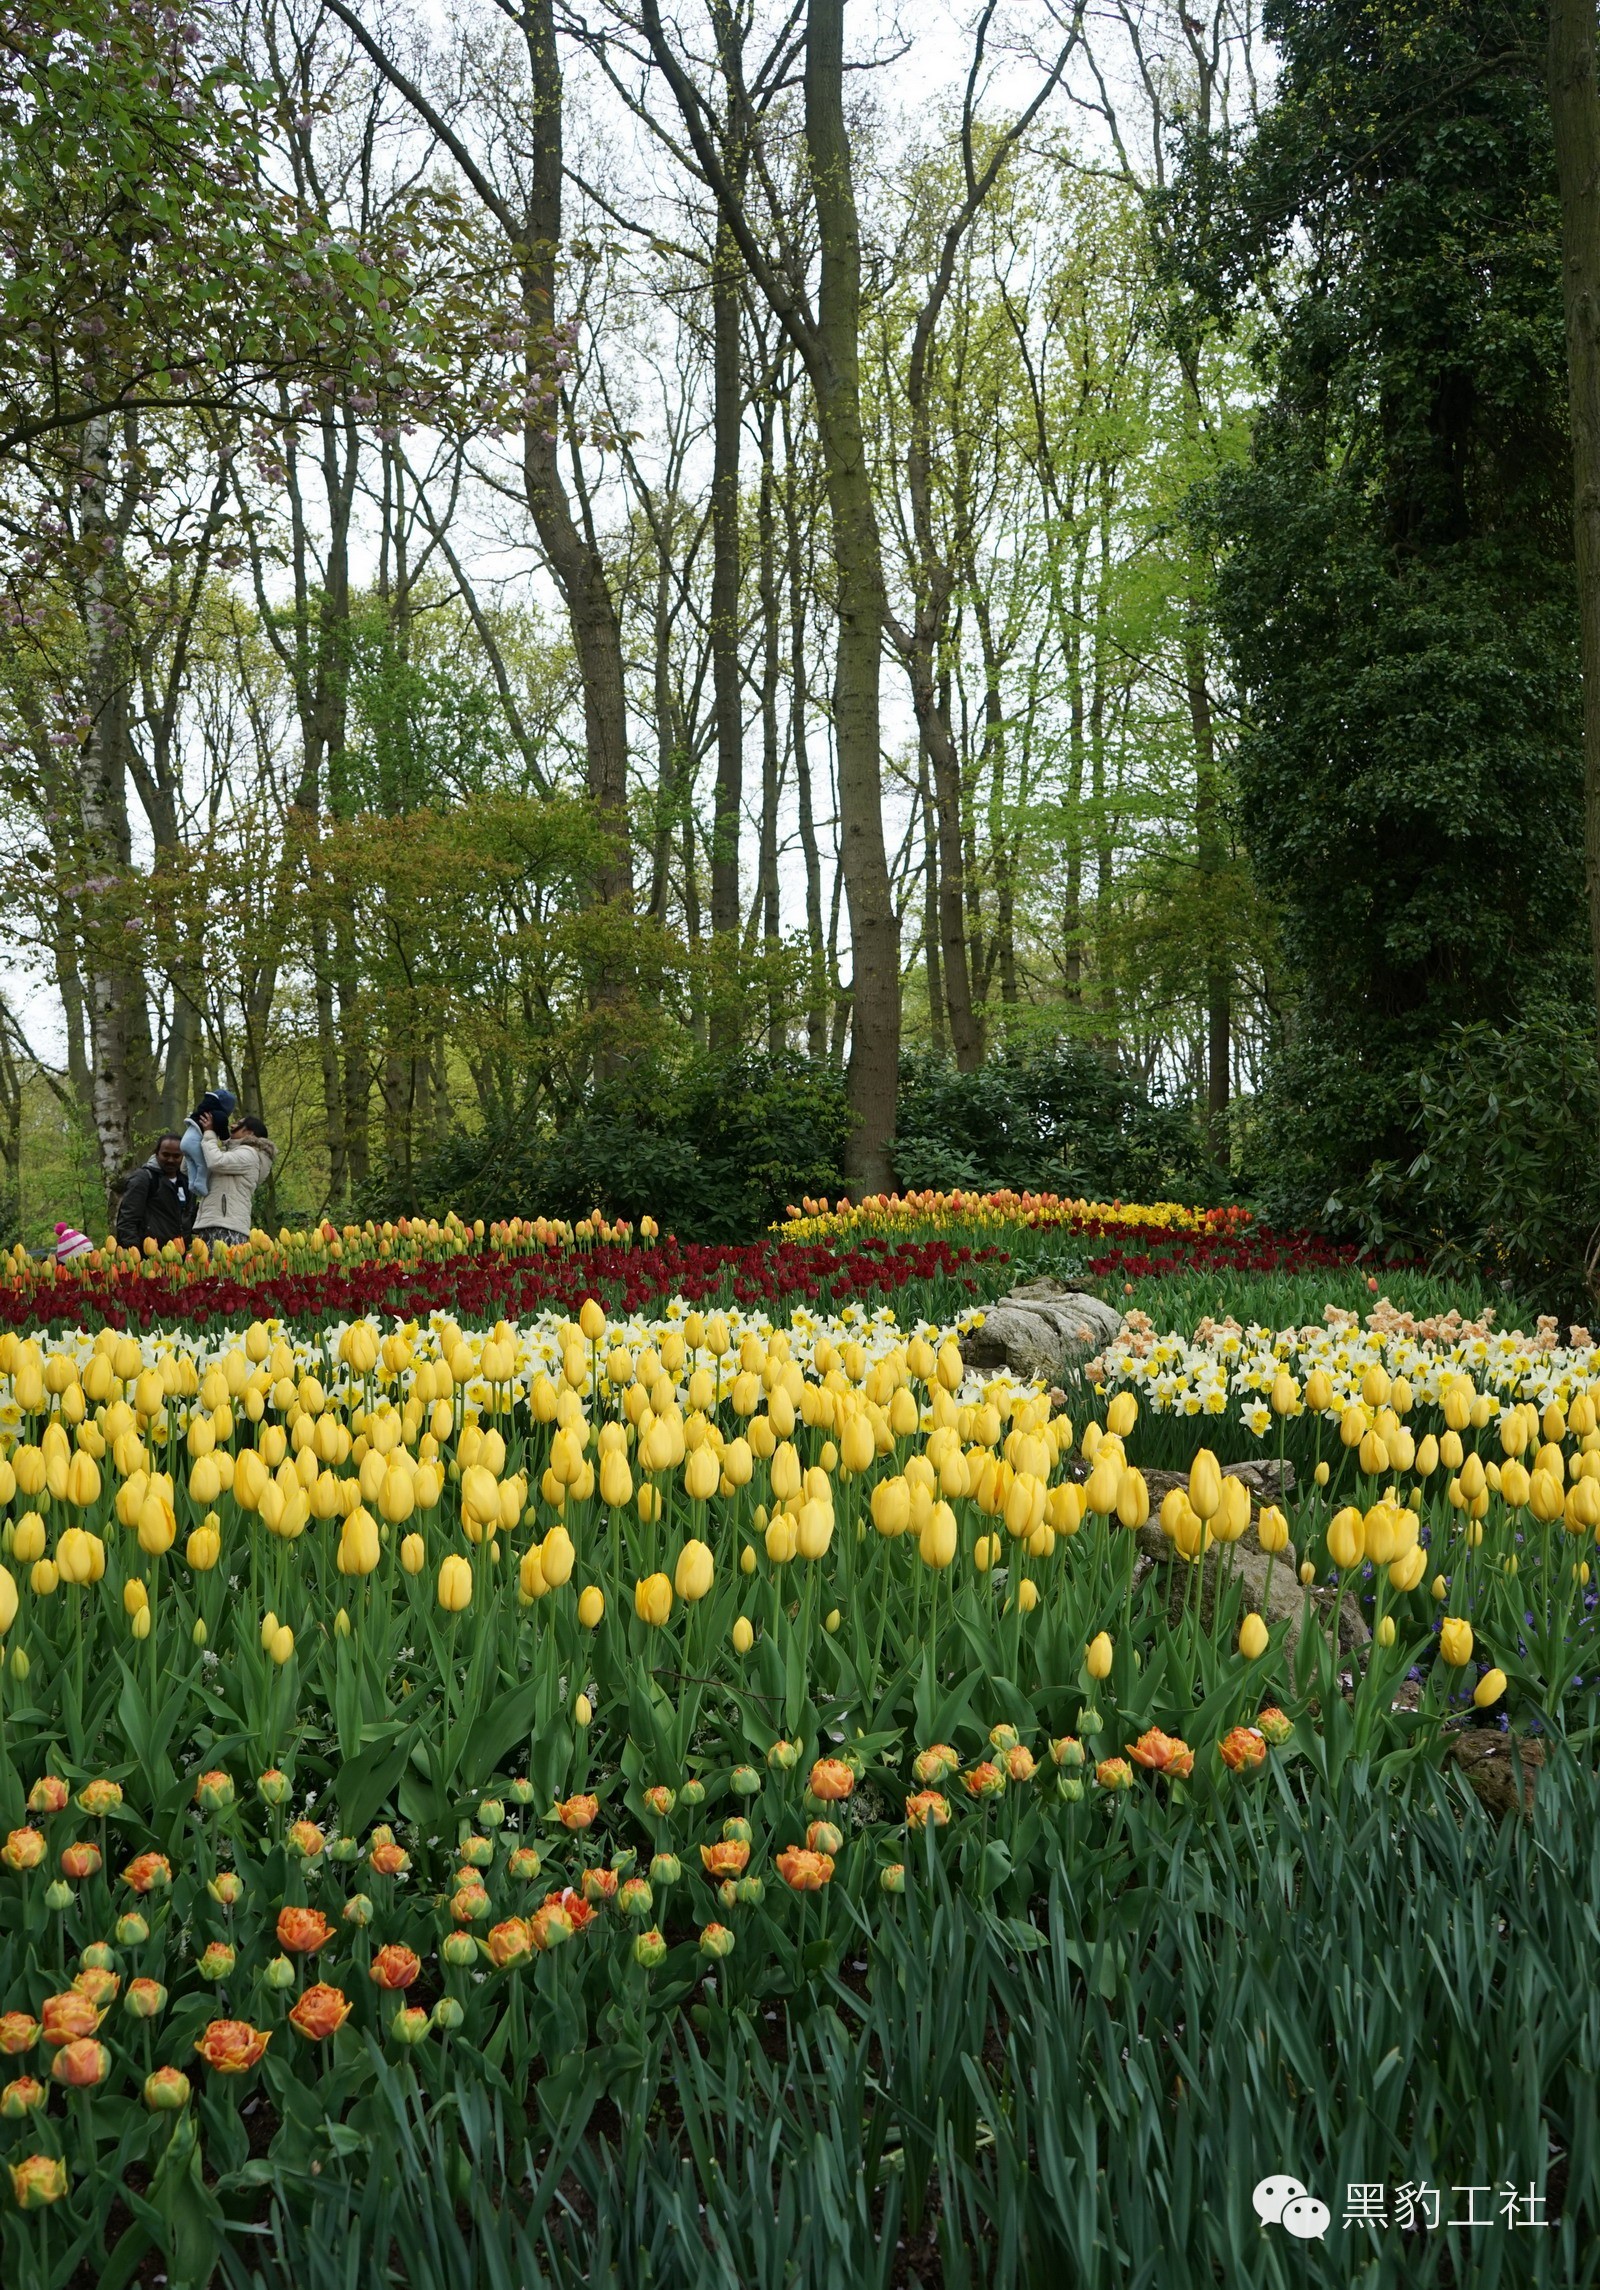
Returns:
(1283,2201)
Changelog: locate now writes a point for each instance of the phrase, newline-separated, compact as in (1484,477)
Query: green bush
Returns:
(1045,1117)
(1505,1178)
(713,1151)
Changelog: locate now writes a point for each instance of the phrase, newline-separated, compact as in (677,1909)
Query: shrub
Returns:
(1505,1180)
(1046,1117)
(712,1150)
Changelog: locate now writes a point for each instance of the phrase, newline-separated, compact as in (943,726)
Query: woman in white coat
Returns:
(233,1169)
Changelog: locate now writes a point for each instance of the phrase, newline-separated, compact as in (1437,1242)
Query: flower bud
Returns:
(447,2013)
(649,1949)
(166,2091)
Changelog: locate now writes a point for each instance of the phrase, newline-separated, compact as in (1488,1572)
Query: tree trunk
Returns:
(771,771)
(574,553)
(799,691)
(932,967)
(1575,117)
(1210,864)
(727,407)
(121,1087)
(873,1074)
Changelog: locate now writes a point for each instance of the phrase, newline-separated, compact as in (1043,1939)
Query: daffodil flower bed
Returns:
(398,1691)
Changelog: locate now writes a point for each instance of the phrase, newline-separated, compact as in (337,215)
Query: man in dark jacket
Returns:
(157,1201)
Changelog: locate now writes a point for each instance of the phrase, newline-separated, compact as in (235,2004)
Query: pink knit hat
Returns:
(70,1242)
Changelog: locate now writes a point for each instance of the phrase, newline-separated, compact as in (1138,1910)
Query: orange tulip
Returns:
(232,2046)
(320,2011)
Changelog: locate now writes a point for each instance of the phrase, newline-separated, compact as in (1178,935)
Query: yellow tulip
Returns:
(1347,1538)
(1515,1485)
(282,1645)
(531,1582)
(616,1481)
(782,1538)
(1455,1642)
(359,1547)
(1097,1655)
(1122,1414)
(27,1543)
(1027,1594)
(1547,1493)
(158,1527)
(250,1477)
(8,1599)
(1205,1485)
(652,1600)
(937,1542)
(74,1561)
(203,1549)
(891,1506)
(396,1495)
(693,1574)
(1253,1638)
(1408,1571)
(557,1557)
(1272,1529)
(413,1554)
(702,1475)
(83,1481)
(1489,1688)
(744,1636)
(814,1528)
(1233,1513)
(455,1584)
(857,1446)
(1104,1483)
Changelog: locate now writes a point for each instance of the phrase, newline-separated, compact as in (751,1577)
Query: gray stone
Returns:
(1042,1330)
(1269,1585)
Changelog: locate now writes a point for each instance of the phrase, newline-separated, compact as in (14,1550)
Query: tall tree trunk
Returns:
(1575,117)
(727,408)
(121,1088)
(872,1078)
(799,690)
(932,966)
(771,772)
(670,756)
(1210,865)
(573,552)
(1072,823)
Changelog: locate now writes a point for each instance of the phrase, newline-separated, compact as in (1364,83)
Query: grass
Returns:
(1342,1986)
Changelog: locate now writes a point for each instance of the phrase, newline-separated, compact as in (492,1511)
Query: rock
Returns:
(1286,1600)
(1040,1331)
(1492,1764)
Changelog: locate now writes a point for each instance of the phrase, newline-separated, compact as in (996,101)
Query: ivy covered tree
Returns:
(1397,591)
